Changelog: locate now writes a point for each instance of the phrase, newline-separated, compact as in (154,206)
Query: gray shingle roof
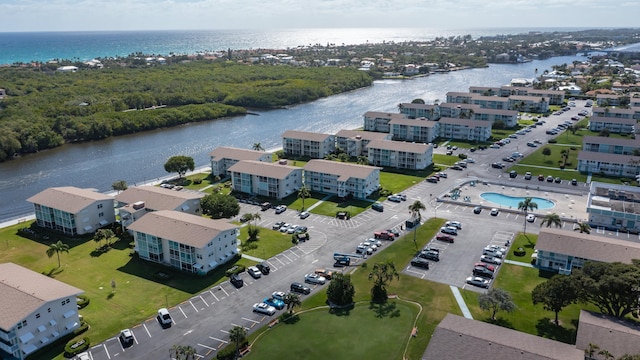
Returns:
(69,198)
(587,246)
(157,198)
(305,135)
(617,336)
(225,152)
(270,170)
(343,170)
(416,148)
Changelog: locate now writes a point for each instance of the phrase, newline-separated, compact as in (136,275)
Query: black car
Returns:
(300,288)
(377,207)
(477,209)
(456,167)
(264,268)
(432,179)
(513,174)
(236,280)
(482,272)
(430,255)
(420,262)
(497,165)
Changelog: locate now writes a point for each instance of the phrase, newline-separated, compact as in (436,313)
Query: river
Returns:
(140,157)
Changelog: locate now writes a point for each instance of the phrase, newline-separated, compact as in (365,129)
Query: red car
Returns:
(445,237)
(485,265)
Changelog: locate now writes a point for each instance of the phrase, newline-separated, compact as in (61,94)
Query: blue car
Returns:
(278,304)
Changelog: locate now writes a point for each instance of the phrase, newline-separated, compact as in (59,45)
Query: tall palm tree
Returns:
(527,205)
(180,352)
(57,248)
(237,334)
(552,219)
(583,227)
(292,300)
(416,216)
(303,193)
(257,147)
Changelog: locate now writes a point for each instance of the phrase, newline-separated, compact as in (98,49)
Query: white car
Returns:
(292,229)
(284,228)
(315,279)
(361,249)
(254,272)
(492,252)
(375,242)
(497,248)
(449,230)
(455,224)
(495,212)
(478,281)
(370,244)
(280,295)
(83,356)
(304,215)
(531,218)
(264,308)
(490,260)
(164,317)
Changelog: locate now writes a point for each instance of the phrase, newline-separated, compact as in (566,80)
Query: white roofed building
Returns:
(272,180)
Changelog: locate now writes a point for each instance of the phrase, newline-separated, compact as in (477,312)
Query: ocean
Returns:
(25,47)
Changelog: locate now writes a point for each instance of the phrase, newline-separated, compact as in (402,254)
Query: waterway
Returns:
(140,157)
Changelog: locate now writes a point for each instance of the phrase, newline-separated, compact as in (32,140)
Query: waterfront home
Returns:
(612,124)
(608,164)
(37,311)
(476,112)
(464,129)
(272,180)
(354,142)
(417,111)
(341,179)
(618,113)
(187,242)
(528,103)
(379,121)
(415,130)
(223,157)
(72,210)
(400,155)
(614,207)
(563,250)
(467,339)
(303,143)
(134,202)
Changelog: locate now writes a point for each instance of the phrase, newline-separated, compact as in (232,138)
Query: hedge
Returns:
(83,301)
(75,346)
(236,269)
(229,352)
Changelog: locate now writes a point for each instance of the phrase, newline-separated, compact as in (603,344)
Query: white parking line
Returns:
(257,322)
(145,329)
(280,261)
(214,295)
(286,257)
(216,339)
(226,332)
(185,315)
(204,301)
(106,350)
(294,254)
(207,347)
(224,291)
(271,264)
(193,306)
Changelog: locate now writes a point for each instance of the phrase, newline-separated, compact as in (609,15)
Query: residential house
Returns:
(416,130)
(612,124)
(272,180)
(341,179)
(36,311)
(563,250)
(134,202)
(400,155)
(460,338)
(416,111)
(223,157)
(72,210)
(617,336)
(187,242)
(354,142)
(614,206)
(379,121)
(302,143)
(464,129)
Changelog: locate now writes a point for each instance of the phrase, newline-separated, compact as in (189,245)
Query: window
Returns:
(101,214)
(37,316)
(99,206)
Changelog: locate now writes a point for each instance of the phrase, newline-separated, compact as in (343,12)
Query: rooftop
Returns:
(305,135)
(343,170)
(69,198)
(270,170)
(158,198)
(416,148)
(225,152)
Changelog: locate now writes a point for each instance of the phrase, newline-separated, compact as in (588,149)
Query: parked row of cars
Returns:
(368,246)
(276,301)
(484,271)
(284,227)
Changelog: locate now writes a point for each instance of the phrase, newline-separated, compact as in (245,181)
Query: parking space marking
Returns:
(147,330)
(106,350)
(293,253)
(246,328)
(224,291)
(420,274)
(286,257)
(220,340)
(193,306)
(207,347)
(273,267)
(214,295)
(253,321)
(183,313)
(204,301)
(280,261)
(225,331)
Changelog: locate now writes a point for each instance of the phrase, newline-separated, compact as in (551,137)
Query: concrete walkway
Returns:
(252,258)
(519,263)
(319,202)
(463,306)
(546,167)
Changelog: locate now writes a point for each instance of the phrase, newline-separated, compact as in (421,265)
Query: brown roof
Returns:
(225,152)
(23,291)
(496,111)
(490,98)
(181,227)
(69,198)
(466,122)
(615,335)
(365,135)
(305,135)
(413,122)
(157,198)
(526,98)
(587,246)
(383,115)
(465,339)
(344,170)
(270,170)
(410,147)
(607,157)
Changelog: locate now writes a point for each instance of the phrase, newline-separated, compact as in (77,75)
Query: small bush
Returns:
(83,301)
(520,252)
(552,141)
(84,326)
(76,346)
(197,181)
(462,156)
(229,352)
(236,269)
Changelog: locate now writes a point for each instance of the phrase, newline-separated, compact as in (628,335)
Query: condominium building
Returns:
(614,207)
(187,242)
(354,142)
(341,179)
(303,143)
(272,180)
(36,311)
(416,111)
(73,211)
(465,129)
(223,157)
(416,130)
(379,121)
(400,155)
(612,124)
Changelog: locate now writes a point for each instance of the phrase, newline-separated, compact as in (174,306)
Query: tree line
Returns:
(45,109)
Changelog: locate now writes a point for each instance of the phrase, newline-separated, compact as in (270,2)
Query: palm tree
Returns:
(382,273)
(180,352)
(257,147)
(591,350)
(292,300)
(416,216)
(57,248)
(583,227)
(237,334)
(606,355)
(303,193)
(527,205)
(552,219)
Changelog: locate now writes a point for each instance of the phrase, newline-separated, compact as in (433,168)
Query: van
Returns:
(265,206)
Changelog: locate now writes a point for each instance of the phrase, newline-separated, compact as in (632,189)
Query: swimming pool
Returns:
(513,201)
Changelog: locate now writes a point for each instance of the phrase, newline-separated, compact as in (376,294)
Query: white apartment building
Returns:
(187,242)
(272,180)
(341,179)
(354,142)
(465,129)
(379,121)
(223,157)
(417,130)
(400,155)
(303,143)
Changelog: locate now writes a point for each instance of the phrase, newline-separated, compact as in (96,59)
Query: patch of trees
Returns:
(220,206)
(44,109)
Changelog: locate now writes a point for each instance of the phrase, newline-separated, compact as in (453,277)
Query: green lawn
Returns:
(92,271)
(448,160)
(334,204)
(397,183)
(270,243)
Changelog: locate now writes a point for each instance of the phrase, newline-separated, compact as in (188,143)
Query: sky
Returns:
(98,15)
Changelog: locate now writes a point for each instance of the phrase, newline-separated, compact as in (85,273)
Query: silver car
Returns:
(264,308)
(315,279)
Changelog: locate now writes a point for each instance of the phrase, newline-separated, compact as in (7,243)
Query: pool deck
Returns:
(570,204)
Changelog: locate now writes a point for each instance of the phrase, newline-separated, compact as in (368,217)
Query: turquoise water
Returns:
(513,201)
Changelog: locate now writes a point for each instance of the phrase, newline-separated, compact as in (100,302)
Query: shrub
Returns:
(462,156)
(76,346)
(197,181)
(84,326)
(83,301)
(229,352)
(552,141)
(236,269)
(520,252)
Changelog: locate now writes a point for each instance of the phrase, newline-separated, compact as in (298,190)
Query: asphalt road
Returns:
(205,320)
